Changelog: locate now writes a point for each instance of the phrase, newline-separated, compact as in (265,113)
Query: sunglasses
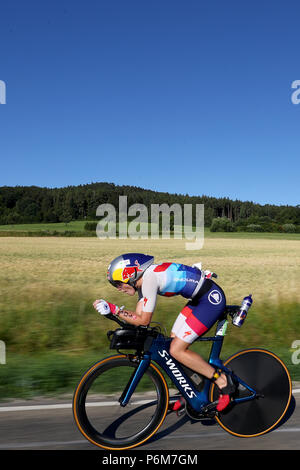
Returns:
(117,283)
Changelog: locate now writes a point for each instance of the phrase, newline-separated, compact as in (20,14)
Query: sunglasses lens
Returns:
(116,283)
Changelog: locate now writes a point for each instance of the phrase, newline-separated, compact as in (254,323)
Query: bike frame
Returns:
(159,353)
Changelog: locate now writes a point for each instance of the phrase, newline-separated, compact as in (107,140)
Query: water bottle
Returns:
(240,316)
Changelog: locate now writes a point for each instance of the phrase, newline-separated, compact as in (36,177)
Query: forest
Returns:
(33,204)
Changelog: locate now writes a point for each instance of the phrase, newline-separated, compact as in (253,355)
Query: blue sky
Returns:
(180,96)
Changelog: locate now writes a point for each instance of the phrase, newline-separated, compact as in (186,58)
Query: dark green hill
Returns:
(33,204)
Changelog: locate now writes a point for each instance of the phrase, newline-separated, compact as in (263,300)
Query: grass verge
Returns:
(57,373)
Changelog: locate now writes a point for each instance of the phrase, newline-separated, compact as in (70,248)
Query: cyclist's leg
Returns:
(179,349)
(196,318)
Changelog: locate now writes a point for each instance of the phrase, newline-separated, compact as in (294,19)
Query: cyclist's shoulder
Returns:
(149,274)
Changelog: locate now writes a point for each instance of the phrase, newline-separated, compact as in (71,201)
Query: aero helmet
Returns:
(128,268)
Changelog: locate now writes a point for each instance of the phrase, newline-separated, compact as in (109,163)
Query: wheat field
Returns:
(33,268)
(47,285)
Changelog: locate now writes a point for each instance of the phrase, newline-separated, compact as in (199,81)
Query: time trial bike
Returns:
(122,400)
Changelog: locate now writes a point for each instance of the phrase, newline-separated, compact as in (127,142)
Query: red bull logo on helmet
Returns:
(130,271)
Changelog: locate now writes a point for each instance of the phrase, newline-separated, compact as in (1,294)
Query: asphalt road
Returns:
(49,425)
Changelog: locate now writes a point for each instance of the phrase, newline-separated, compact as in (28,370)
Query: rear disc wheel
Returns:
(264,372)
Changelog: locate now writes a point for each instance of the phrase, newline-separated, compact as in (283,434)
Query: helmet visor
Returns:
(116,283)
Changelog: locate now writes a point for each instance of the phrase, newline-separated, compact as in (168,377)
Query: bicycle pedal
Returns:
(211,407)
(181,412)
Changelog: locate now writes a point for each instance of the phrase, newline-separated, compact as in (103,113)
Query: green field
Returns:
(48,284)
(78,226)
(74,226)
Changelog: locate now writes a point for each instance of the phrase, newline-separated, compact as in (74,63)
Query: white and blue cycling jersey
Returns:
(203,308)
(168,279)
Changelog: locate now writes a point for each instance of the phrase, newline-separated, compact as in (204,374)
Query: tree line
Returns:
(33,204)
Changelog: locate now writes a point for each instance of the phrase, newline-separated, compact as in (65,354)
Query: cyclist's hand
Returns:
(104,308)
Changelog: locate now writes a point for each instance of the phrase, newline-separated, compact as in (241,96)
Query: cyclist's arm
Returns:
(146,304)
(137,318)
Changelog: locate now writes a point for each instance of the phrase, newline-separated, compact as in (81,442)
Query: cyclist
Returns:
(136,272)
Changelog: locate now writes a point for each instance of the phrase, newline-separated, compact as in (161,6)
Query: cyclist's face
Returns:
(126,288)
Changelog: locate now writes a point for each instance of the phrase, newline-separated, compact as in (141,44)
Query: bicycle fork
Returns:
(134,380)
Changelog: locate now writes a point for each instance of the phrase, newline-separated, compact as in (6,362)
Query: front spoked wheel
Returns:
(99,415)
(264,372)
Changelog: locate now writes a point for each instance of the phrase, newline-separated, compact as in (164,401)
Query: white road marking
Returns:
(58,406)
